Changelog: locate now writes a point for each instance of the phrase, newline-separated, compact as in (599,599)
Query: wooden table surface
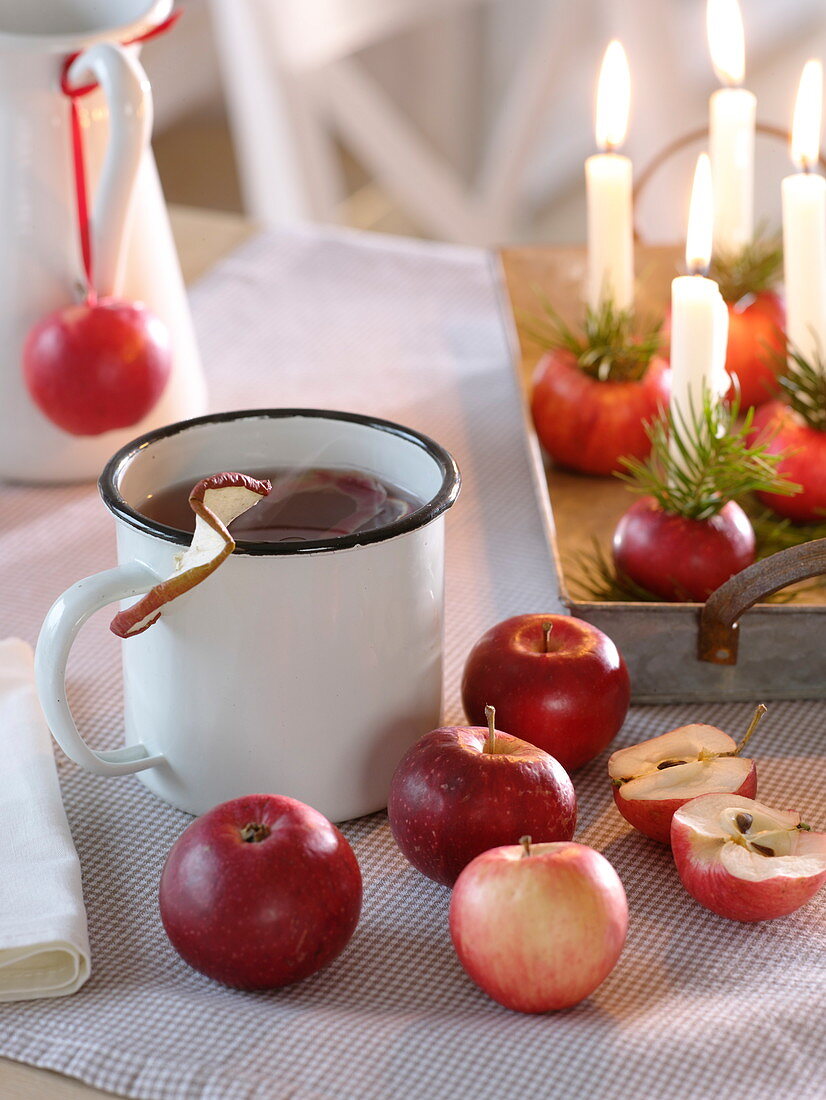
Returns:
(202,237)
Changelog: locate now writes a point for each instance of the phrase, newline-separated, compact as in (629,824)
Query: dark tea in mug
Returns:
(304,505)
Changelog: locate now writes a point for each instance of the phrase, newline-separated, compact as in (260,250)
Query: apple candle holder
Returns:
(795,430)
(687,534)
(669,657)
(747,279)
(596,386)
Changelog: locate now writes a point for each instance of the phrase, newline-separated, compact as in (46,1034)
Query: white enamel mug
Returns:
(303,669)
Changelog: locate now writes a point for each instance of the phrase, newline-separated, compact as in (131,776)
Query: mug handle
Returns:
(126,88)
(65,618)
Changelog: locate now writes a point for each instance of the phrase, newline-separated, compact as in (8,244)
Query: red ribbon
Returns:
(77,142)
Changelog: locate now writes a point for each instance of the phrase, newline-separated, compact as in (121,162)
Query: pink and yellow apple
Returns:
(539,926)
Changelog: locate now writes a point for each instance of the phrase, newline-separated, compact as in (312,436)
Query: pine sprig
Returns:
(804,387)
(698,464)
(750,270)
(773,534)
(612,345)
(594,576)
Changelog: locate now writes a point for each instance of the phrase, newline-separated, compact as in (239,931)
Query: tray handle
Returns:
(642,180)
(719,626)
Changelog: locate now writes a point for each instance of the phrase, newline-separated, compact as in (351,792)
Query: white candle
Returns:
(731,130)
(804,224)
(608,178)
(699,317)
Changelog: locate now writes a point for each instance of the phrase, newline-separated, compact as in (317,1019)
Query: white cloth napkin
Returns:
(44,943)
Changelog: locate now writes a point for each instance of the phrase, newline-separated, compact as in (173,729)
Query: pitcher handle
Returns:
(65,618)
(126,88)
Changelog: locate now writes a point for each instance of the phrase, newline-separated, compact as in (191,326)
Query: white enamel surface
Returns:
(40,263)
(68,25)
(307,675)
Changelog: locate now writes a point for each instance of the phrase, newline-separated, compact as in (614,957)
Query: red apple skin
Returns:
(450,800)
(588,425)
(756,339)
(682,559)
(97,366)
(653,818)
(260,915)
(712,886)
(539,933)
(804,462)
(571,701)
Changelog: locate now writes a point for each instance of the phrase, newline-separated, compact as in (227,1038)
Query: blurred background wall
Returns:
(285,108)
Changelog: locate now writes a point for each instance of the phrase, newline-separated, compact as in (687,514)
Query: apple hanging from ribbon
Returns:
(98,365)
(101,363)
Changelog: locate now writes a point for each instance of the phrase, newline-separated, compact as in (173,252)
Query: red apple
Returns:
(681,559)
(589,425)
(756,342)
(655,778)
(459,791)
(539,927)
(260,892)
(555,681)
(99,365)
(745,861)
(804,462)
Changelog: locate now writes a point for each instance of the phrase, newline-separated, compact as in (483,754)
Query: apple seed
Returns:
(762,849)
(669,764)
(744,821)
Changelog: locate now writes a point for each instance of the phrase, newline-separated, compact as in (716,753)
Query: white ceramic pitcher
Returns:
(40,259)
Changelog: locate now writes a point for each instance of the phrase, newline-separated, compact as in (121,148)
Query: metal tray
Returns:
(727,649)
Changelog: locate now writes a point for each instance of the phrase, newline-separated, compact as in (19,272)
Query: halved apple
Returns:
(216,501)
(654,778)
(744,860)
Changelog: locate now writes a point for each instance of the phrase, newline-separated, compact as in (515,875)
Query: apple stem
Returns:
(546,631)
(525,841)
(753,724)
(255,832)
(490,714)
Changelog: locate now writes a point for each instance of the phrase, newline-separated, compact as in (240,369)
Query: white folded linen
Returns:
(44,943)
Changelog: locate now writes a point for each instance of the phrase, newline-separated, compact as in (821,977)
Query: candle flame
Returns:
(726,41)
(700,218)
(613,98)
(807,112)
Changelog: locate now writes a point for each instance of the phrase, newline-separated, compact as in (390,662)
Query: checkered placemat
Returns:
(697,1007)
